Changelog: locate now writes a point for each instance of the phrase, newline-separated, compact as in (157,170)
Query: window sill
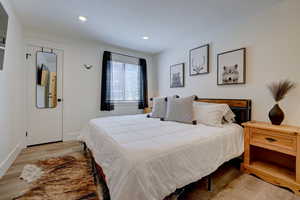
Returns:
(126,103)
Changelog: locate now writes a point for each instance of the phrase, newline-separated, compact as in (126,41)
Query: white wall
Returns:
(272,40)
(81,88)
(12,92)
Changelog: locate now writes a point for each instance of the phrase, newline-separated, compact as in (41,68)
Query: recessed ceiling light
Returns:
(145,38)
(82,18)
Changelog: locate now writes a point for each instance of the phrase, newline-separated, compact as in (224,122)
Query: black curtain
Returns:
(106,102)
(143,100)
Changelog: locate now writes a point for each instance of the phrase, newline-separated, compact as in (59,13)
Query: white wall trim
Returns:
(71,136)
(5,164)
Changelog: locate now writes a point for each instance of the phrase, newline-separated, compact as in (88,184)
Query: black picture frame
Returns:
(3,34)
(207,46)
(172,69)
(243,62)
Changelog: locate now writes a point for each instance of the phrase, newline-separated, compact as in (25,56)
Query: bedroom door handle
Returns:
(59,100)
(270,139)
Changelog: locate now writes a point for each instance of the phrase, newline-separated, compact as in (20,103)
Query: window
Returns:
(125,81)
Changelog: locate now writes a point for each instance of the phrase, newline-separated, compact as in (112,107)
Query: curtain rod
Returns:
(125,55)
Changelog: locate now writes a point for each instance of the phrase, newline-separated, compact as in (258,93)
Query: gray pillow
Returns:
(180,110)
(159,107)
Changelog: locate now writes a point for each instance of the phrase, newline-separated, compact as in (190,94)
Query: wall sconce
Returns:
(88,67)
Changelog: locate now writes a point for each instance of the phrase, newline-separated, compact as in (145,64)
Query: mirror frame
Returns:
(36,62)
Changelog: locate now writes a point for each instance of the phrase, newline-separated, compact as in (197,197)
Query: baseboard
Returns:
(71,136)
(4,166)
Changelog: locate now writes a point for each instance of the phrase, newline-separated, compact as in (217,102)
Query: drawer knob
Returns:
(270,139)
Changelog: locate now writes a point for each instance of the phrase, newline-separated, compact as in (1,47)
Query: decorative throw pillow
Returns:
(159,107)
(229,117)
(210,114)
(180,110)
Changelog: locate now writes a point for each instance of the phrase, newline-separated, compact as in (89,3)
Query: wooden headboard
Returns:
(240,107)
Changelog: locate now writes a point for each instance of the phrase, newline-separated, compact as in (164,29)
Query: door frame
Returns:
(28,54)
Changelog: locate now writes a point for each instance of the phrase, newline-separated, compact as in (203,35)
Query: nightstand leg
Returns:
(209,183)
(247,147)
(298,160)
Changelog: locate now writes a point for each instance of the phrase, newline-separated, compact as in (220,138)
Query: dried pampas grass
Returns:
(280,89)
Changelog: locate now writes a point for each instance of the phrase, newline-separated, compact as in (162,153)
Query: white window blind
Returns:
(125,81)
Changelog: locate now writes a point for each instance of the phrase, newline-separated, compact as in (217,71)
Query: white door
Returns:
(44,95)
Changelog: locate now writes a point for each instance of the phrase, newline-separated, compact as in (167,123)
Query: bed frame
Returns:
(240,107)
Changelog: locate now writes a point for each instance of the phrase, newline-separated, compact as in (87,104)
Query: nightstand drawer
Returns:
(285,143)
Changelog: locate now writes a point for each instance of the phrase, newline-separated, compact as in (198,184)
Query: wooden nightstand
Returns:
(273,153)
(147,110)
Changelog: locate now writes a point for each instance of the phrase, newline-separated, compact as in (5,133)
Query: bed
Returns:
(146,158)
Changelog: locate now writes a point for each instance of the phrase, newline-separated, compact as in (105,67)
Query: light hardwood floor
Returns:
(11,186)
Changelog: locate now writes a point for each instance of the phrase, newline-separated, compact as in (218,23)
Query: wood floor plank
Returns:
(12,186)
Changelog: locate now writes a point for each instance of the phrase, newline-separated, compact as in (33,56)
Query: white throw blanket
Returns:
(147,159)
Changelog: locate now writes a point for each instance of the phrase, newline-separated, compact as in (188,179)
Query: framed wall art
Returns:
(3,33)
(199,60)
(177,75)
(231,67)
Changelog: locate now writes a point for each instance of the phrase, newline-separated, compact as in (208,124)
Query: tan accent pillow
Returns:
(180,110)
(159,107)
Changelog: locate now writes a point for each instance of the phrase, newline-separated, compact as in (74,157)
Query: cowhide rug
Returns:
(70,178)
(67,178)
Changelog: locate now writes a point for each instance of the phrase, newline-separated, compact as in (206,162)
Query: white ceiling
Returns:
(124,22)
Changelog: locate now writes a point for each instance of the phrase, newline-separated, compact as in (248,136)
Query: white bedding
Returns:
(148,159)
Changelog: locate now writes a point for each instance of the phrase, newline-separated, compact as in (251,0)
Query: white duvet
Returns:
(148,159)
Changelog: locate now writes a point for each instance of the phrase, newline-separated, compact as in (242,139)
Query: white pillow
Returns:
(229,117)
(212,114)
